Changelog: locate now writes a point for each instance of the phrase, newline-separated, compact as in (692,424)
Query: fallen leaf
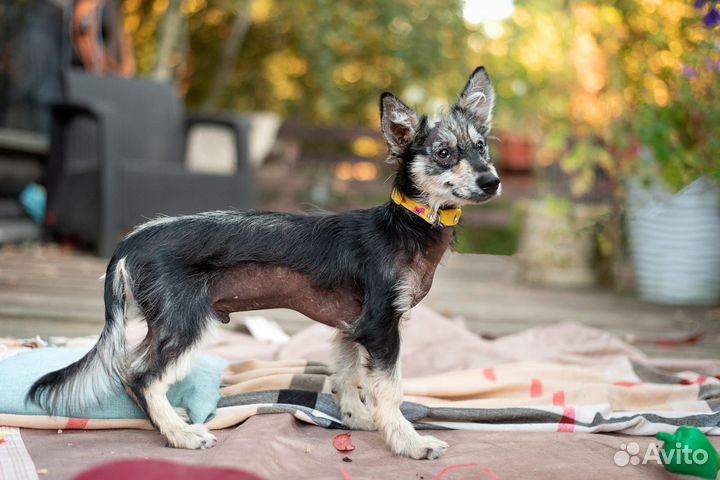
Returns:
(343,443)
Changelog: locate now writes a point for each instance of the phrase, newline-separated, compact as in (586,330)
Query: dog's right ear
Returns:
(399,122)
(478,100)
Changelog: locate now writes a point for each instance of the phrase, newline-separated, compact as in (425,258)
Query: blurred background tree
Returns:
(321,60)
(582,80)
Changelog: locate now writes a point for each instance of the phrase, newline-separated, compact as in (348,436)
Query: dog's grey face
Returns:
(448,161)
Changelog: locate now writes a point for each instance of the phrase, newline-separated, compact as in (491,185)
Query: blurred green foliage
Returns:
(677,89)
(587,79)
(325,61)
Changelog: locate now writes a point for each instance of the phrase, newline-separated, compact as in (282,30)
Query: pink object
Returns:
(76,424)
(161,470)
(626,384)
(343,443)
(536,388)
(567,423)
(489,472)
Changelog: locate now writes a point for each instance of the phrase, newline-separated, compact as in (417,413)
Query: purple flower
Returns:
(689,72)
(699,4)
(712,18)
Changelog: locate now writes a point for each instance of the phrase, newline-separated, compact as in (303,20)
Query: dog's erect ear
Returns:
(478,99)
(399,122)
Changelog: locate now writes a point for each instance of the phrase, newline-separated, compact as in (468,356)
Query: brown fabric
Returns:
(280,447)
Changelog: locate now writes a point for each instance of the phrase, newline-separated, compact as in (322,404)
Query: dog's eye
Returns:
(444,153)
(481,146)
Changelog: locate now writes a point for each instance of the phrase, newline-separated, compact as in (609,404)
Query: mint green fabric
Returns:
(199,392)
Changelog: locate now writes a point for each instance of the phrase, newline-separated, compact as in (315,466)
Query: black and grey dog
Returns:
(360,271)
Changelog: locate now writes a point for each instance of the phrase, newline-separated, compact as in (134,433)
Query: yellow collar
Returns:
(448,218)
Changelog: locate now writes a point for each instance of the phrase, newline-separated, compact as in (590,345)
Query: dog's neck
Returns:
(418,237)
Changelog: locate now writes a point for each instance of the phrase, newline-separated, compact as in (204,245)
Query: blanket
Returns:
(197,394)
(615,394)
(622,396)
(511,384)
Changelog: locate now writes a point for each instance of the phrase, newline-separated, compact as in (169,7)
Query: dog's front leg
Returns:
(399,433)
(379,333)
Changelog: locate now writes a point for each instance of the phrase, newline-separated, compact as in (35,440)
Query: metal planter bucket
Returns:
(675,242)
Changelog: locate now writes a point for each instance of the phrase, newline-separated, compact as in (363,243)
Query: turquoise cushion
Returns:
(199,392)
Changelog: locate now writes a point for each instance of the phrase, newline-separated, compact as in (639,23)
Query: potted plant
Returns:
(673,194)
(561,245)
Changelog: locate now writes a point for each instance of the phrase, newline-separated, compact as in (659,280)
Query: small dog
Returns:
(360,271)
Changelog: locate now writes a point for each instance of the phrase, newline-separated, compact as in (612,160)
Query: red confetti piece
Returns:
(343,443)
(536,388)
(626,384)
(489,373)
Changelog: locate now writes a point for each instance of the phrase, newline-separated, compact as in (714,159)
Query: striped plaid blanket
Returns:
(622,396)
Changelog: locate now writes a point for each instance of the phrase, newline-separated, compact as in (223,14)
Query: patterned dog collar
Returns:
(448,218)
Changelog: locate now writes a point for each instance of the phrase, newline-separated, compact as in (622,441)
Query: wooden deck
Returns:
(48,291)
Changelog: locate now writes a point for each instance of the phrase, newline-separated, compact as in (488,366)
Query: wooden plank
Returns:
(45,290)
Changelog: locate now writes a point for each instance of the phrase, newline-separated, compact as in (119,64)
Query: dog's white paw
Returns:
(192,437)
(359,419)
(419,447)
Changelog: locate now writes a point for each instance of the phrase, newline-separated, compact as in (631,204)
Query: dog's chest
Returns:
(417,274)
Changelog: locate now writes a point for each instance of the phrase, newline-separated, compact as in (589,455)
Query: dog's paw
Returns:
(192,437)
(359,419)
(421,447)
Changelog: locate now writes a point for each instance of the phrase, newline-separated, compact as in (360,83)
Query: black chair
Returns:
(117,158)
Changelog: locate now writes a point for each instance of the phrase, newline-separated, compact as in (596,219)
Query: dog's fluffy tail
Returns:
(86,381)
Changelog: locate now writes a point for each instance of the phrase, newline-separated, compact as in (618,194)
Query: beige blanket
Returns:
(529,369)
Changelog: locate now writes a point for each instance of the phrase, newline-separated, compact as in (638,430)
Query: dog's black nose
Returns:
(489,183)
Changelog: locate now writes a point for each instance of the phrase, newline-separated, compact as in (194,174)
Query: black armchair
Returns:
(117,158)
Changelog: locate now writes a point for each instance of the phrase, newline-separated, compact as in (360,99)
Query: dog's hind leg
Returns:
(350,384)
(164,361)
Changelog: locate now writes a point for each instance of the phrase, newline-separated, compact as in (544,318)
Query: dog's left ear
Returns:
(399,122)
(478,99)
